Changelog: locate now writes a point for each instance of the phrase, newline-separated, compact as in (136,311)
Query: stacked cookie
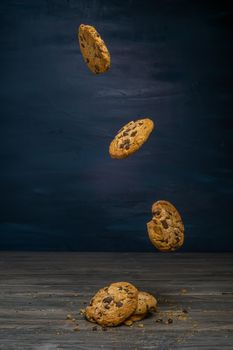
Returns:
(119,303)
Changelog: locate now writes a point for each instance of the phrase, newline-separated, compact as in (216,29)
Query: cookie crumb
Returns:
(170,320)
(69,317)
(159,320)
(185,311)
(141,325)
(183,291)
(82,312)
(76,329)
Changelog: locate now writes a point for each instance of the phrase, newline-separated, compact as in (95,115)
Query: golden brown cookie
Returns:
(112,305)
(166,229)
(146,303)
(130,138)
(93,48)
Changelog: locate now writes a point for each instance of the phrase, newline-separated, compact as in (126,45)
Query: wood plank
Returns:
(38,290)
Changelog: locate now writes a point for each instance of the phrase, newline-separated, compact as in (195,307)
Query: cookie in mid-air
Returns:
(146,303)
(130,138)
(93,49)
(112,305)
(166,229)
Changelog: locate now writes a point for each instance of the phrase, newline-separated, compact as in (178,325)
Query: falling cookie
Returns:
(93,48)
(166,229)
(113,305)
(130,138)
(146,303)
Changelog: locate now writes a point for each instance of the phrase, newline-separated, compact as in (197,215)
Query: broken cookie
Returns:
(166,229)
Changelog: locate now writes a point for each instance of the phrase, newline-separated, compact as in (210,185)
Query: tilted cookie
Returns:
(93,49)
(130,138)
(112,305)
(166,229)
(146,303)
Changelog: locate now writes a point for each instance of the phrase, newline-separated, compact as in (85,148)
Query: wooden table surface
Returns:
(38,290)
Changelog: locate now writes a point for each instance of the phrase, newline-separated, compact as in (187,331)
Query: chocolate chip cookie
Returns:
(130,138)
(166,229)
(146,303)
(113,305)
(93,49)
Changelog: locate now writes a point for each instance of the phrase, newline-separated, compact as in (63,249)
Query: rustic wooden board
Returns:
(38,290)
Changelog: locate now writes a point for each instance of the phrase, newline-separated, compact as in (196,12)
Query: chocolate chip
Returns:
(157,212)
(141,123)
(170,320)
(119,304)
(133,133)
(159,320)
(87,60)
(185,311)
(82,45)
(107,300)
(94,328)
(121,146)
(125,133)
(120,288)
(164,223)
(81,38)
(127,147)
(97,67)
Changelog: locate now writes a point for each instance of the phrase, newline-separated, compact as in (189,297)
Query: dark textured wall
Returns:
(171,61)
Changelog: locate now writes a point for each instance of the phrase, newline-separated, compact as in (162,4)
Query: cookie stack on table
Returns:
(121,302)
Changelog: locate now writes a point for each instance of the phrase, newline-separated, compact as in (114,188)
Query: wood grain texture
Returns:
(38,290)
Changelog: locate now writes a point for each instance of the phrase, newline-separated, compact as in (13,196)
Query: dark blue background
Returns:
(172,62)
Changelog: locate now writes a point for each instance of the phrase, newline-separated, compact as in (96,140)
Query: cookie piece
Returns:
(130,138)
(112,305)
(93,49)
(146,303)
(166,229)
